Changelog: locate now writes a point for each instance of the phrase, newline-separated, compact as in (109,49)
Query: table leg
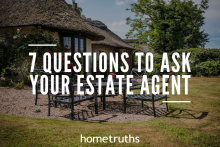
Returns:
(124,99)
(96,105)
(103,93)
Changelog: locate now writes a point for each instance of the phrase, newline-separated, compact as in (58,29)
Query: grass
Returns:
(195,124)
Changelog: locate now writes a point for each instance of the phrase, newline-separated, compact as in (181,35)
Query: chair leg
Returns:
(48,105)
(154,108)
(36,98)
(96,104)
(55,103)
(72,111)
(124,99)
(167,105)
(101,98)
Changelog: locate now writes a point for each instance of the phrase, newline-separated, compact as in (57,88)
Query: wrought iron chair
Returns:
(70,99)
(137,75)
(154,97)
(37,71)
(41,72)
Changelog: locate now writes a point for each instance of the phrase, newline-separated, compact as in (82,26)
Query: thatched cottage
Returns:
(56,15)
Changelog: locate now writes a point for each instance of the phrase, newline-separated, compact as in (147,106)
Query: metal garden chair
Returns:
(153,97)
(37,71)
(70,99)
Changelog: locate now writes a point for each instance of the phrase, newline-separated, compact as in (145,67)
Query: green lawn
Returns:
(194,124)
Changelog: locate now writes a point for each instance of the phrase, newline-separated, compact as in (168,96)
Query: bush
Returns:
(209,68)
(14,51)
(19,85)
(27,81)
(154,72)
(4,81)
(203,62)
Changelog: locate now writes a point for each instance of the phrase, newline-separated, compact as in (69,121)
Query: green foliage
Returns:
(27,81)
(15,49)
(6,72)
(4,82)
(19,85)
(167,26)
(37,110)
(83,16)
(203,62)
(209,68)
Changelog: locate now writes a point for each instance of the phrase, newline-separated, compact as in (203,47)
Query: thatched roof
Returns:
(142,46)
(55,14)
(111,39)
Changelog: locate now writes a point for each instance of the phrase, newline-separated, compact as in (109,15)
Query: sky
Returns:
(113,13)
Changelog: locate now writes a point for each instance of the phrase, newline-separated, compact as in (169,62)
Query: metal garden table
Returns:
(104,85)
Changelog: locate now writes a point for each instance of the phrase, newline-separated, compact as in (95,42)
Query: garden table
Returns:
(104,85)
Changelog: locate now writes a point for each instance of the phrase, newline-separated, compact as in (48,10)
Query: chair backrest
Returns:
(37,71)
(138,75)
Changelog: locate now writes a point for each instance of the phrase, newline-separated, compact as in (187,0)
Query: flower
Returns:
(113,74)
(18,30)
(70,67)
(39,58)
(42,34)
(62,59)
(25,36)
(2,78)
(15,37)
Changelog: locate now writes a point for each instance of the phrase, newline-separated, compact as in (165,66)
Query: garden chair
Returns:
(154,97)
(70,99)
(137,76)
(39,72)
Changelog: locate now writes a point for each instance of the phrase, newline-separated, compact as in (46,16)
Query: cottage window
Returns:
(67,42)
(81,45)
(77,43)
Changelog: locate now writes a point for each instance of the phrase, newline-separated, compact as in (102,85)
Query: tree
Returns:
(167,26)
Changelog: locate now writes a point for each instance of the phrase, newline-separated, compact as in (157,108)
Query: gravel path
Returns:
(21,102)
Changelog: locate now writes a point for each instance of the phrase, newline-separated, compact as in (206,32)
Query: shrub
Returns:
(209,68)
(203,62)
(4,81)
(19,85)
(15,50)
(154,72)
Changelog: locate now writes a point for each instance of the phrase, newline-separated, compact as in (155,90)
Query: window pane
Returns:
(76,45)
(81,45)
(67,42)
